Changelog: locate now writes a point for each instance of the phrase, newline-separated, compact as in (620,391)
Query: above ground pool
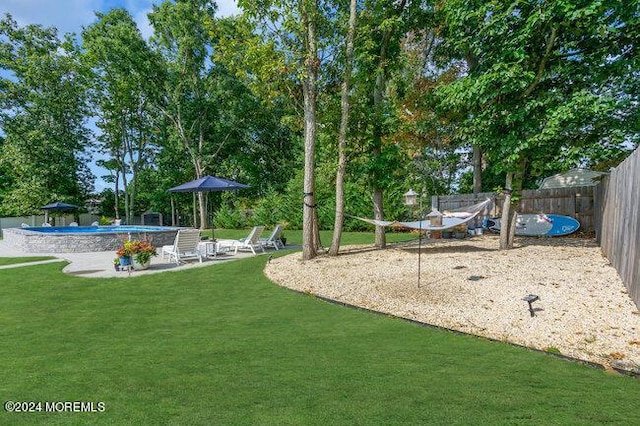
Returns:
(96,229)
(81,239)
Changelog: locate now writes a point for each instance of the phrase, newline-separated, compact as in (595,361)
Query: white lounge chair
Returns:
(73,224)
(46,224)
(25,225)
(274,239)
(251,242)
(184,247)
(95,224)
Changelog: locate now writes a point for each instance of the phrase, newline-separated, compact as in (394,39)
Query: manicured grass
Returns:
(223,345)
(13,260)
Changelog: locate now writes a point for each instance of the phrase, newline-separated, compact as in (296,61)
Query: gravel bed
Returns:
(583,311)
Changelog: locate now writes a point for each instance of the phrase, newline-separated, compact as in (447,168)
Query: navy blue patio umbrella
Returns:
(207,184)
(204,184)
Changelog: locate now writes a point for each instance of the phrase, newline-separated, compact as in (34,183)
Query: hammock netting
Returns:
(450,219)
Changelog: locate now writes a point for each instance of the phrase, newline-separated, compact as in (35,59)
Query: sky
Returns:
(72,15)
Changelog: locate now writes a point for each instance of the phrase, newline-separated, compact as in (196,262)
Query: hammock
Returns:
(450,219)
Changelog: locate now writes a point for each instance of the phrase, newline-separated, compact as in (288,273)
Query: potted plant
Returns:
(124,256)
(139,253)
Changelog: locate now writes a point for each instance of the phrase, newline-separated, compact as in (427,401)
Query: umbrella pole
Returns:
(195,212)
(173,212)
(210,216)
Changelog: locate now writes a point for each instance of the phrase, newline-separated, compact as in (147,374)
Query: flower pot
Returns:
(125,261)
(140,266)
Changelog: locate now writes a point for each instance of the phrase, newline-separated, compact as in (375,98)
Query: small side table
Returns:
(212,249)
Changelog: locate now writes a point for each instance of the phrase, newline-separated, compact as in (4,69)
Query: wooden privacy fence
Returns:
(577,202)
(617,225)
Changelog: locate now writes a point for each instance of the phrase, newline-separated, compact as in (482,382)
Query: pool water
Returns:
(96,229)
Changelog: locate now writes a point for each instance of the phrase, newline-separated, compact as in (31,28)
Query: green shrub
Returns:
(229,216)
(269,210)
(104,221)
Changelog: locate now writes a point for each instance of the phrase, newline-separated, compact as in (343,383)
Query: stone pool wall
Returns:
(81,242)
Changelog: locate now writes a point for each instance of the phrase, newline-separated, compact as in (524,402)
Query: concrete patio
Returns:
(100,264)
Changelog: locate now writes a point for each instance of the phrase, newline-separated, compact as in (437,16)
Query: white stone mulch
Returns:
(583,311)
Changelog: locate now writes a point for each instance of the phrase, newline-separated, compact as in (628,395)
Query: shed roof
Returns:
(571,178)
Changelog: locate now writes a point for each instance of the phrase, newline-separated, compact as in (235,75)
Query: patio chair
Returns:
(25,225)
(274,239)
(251,242)
(95,223)
(46,224)
(73,224)
(184,247)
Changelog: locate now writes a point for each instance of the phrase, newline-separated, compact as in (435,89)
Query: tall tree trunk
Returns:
(202,206)
(378,97)
(131,191)
(505,220)
(310,234)
(342,135)
(508,220)
(117,195)
(518,180)
(133,168)
(200,170)
(132,199)
(477,169)
(472,64)
(195,211)
(125,189)
(378,94)
(123,165)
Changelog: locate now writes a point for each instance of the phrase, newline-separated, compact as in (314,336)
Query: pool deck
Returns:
(100,264)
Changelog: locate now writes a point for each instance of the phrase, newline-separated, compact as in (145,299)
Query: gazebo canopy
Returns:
(57,206)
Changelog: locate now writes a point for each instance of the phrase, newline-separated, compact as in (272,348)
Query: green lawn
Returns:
(223,345)
(295,236)
(14,260)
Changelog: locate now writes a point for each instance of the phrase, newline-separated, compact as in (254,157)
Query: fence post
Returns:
(435,205)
